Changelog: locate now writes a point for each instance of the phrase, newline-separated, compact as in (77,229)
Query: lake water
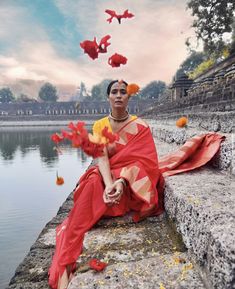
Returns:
(29,197)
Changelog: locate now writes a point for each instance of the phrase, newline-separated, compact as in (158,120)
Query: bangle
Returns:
(121,180)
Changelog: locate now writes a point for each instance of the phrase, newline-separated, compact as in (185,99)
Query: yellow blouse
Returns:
(104,122)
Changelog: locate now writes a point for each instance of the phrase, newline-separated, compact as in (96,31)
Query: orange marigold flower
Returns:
(182,121)
(59,180)
(132,88)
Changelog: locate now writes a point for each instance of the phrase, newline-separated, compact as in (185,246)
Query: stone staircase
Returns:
(201,203)
(191,245)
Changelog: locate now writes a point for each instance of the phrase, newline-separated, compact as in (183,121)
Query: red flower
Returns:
(57,138)
(108,135)
(116,60)
(97,265)
(113,14)
(104,44)
(91,48)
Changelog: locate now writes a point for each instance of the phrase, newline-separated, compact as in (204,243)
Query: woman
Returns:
(126,178)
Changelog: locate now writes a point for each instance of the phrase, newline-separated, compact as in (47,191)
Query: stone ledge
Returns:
(148,273)
(201,204)
(209,121)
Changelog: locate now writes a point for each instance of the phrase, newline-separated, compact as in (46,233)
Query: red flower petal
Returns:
(97,265)
(90,47)
(116,60)
(104,44)
(57,138)
(113,14)
(108,135)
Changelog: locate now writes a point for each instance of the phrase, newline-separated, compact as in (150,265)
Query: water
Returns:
(29,197)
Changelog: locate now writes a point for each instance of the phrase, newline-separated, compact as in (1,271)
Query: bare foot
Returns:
(63,281)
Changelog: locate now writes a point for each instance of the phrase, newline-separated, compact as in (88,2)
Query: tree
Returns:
(25,98)
(99,91)
(6,95)
(213,19)
(153,90)
(48,92)
(190,63)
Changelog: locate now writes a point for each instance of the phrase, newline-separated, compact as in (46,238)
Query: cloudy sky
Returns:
(39,40)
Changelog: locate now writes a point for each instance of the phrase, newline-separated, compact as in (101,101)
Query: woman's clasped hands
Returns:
(113,192)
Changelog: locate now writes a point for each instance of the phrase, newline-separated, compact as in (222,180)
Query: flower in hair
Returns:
(132,88)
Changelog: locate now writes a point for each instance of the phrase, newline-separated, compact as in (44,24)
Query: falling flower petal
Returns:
(91,48)
(116,60)
(182,122)
(57,138)
(113,14)
(59,180)
(108,135)
(104,44)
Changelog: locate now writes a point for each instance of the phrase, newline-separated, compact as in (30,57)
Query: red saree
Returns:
(134,158)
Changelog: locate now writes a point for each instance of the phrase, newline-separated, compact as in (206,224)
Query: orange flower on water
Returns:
(182,121)
(132,88)
(59,180)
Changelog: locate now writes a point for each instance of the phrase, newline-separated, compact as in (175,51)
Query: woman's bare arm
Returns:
(104,168)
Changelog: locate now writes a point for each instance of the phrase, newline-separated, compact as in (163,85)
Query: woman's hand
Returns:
(113,193)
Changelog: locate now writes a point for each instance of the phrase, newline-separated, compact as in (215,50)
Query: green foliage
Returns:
(202,67)
(6,95)
(190,63)
(48,92)
(98,91)
(153,90)
(213,18)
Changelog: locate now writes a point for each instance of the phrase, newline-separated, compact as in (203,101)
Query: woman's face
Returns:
(118,96)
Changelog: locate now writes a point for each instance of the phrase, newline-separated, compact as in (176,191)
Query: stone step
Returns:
(148,254)
(224,159)
(201,203)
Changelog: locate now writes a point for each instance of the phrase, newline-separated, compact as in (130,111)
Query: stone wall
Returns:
(65,108)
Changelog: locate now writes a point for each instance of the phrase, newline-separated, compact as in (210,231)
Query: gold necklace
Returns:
(119,119)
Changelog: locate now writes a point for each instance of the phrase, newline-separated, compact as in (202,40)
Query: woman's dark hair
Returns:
(111,83)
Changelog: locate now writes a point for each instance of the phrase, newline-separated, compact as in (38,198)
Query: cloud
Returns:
(153,42)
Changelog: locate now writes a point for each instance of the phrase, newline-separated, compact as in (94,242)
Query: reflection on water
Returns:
(29,197)
(11,141)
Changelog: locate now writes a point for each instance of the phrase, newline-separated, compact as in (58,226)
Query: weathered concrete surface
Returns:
(202,205)
(155,272)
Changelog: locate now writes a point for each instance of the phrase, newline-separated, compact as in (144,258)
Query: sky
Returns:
(40,40)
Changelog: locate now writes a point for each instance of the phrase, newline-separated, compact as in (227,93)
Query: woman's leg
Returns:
(88,208)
